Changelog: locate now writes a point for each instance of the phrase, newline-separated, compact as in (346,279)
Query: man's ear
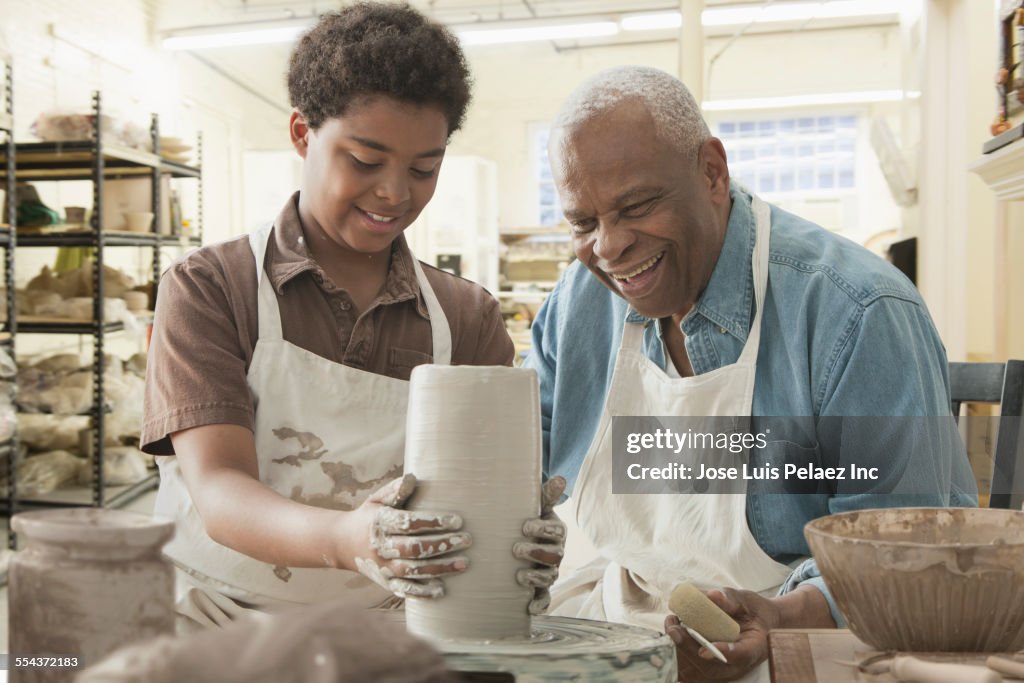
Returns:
(299,131)
(715,167)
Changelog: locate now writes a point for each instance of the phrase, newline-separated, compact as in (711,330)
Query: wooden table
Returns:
(812,656)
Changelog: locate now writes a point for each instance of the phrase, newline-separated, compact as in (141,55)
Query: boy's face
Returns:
(368,173)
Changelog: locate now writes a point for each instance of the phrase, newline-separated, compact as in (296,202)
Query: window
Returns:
(800,154)
(549,211)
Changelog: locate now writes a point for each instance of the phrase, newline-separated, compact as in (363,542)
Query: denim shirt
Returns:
(843,334)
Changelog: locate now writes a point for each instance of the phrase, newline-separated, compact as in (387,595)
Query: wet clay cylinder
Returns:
(473,440)
(86,582)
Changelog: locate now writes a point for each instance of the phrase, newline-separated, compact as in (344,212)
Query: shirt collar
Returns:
(723,303)
(289,257)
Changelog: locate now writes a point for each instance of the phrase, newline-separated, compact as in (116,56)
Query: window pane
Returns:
(726,129)
(786,181)
(805,178)
(826,179)
(766,183)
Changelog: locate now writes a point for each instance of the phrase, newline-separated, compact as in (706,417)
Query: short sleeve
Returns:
(197,362)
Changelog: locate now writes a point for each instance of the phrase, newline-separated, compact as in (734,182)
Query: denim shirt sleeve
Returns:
(542,358)
(884,403)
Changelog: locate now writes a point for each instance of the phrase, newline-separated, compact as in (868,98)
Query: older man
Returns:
(691,297)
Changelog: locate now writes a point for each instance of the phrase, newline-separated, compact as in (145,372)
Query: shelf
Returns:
(6,122)
(111,238)
(5,235)
(38,324)
(1003,171)
(74,161)
(77,496)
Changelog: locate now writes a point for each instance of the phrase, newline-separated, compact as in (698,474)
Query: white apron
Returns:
(647,544)
(327,435)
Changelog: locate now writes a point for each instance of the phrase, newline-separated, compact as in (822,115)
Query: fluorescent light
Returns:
(818,99)
(533,33)
(780,12)
(651,22)
(199,41)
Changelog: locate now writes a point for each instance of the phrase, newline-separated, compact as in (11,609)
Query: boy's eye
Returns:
(363,164)
(420,173)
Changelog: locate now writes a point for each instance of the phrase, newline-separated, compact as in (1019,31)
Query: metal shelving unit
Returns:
(96,161)
(8,240)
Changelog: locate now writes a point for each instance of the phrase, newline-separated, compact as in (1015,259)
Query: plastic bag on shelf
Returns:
(59,125)
(46,432)
(122,465)
(8,368)
(40,474)
(125,395)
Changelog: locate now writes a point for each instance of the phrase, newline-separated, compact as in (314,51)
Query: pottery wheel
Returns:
(566,649)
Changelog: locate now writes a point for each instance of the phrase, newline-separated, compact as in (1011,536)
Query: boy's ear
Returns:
(299,131)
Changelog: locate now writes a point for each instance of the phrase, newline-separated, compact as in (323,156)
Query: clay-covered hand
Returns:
(545,547)
(756,616)
(407,551)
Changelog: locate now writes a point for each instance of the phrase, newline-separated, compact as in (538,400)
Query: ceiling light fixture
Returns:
(233,37)
(781,12)
(524,34)
(817,99)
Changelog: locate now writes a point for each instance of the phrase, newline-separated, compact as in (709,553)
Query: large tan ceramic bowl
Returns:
(926,579)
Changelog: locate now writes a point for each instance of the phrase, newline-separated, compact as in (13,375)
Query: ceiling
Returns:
(261,68)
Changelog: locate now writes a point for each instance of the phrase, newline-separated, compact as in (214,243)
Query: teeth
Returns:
(641,268)
(379,218)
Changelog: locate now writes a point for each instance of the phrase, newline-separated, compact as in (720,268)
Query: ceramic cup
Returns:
(138,221)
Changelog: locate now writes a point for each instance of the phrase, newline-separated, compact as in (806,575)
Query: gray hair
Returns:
(677,117)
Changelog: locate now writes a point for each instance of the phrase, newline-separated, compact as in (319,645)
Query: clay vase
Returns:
(473,440)
(86,582)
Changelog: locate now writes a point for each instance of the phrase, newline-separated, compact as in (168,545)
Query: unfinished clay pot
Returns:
(926,579)
(86,582)
(473,440)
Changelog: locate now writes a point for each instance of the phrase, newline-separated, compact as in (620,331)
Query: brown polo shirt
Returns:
(206,327)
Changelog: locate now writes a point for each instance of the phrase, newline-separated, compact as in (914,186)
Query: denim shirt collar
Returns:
(725,302)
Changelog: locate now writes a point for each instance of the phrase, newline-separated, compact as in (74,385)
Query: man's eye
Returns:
(638,209)
(582,226)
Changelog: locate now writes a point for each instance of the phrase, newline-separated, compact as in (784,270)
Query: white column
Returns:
(691,47)
(943,244)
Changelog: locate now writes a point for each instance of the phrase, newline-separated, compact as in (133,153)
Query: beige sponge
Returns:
(696,610)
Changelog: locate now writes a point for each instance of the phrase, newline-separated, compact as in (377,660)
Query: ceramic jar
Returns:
(86,582)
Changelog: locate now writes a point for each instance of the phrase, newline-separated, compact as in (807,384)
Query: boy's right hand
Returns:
(405,551)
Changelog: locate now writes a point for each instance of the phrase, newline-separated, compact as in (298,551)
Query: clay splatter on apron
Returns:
(345,481)
(345,491)
(311,445)
(282,573)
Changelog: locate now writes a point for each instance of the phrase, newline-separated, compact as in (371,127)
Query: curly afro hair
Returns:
(374,48)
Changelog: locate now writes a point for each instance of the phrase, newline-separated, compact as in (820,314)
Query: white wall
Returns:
(519,85)
(63,50)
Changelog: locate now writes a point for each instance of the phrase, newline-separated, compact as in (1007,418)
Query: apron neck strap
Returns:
(759,264)
(268,312)
(440,332)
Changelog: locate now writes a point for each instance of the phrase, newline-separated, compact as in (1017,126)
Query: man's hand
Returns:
(545,547)
(756,616)
(805,607)
(405,551)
